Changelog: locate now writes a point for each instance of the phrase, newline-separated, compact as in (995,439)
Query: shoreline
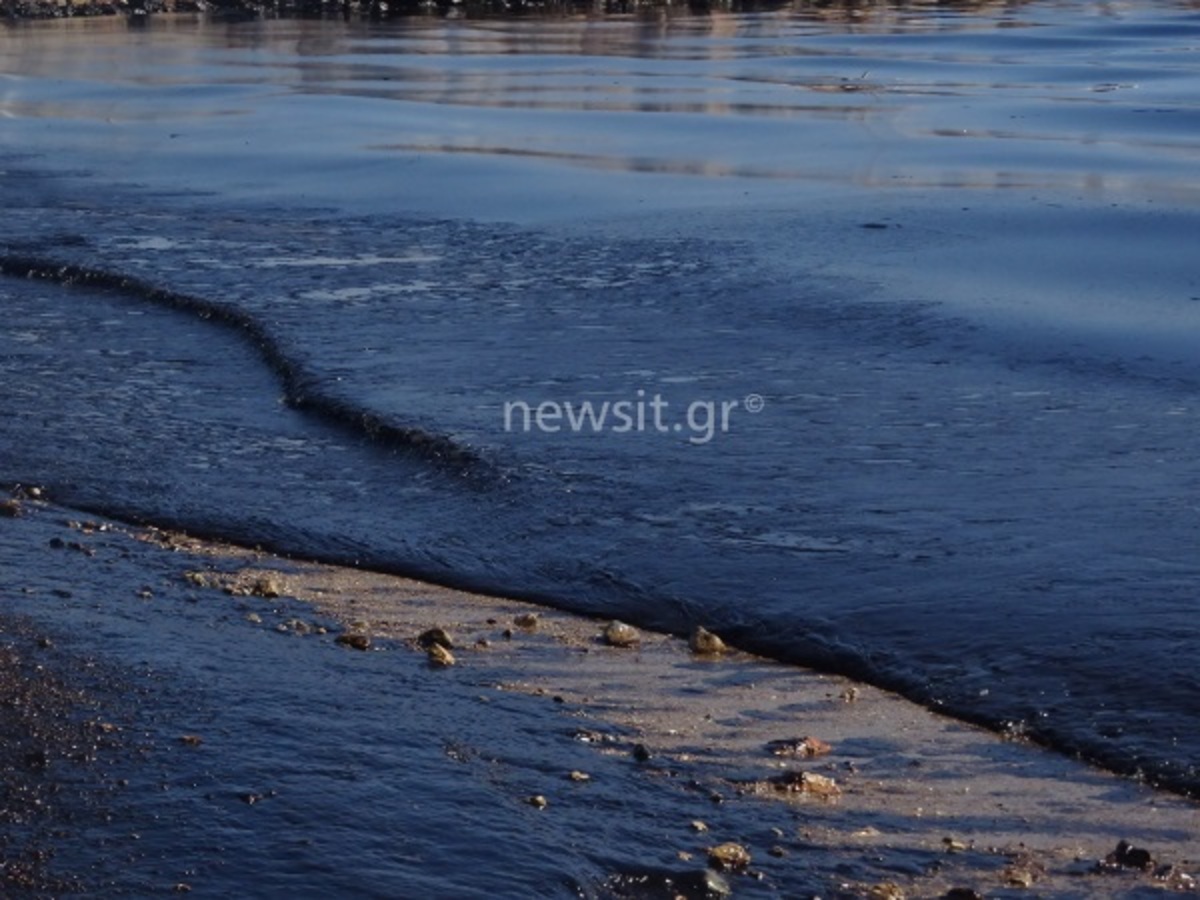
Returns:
(894,800)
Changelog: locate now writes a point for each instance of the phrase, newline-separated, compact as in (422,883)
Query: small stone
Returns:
(44,643)
(438,636)
(182,888)
(699,826)
(1019,877)
(266,586)
(705,643)
(439,656)
(191,740)
(254,618)
(618,634)
(806,783)
(777,851)
(576,775)
(729,857)
(641,752)
(954,846)
(849,695)
(1128,856)
(805,747)
(537,801)
(528,621)
(11,509)
(354,640)
(887,890)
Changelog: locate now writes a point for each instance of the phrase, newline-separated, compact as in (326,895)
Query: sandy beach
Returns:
(819,780)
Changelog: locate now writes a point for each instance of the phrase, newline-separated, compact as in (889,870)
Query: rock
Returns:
(354,640)
(438,636)
(1016,876)
(11,509)
(439,656)
(191,740)
(641,752)
(254,618)
(887,890)
(954,846)
(618,634)
(705,643)
(729,857)
(699,826)
(849,695)
(1127,856)
(777,851)
(528,621)
(805,783)
(266,586)
(805,747)
(537,801)
(576,775)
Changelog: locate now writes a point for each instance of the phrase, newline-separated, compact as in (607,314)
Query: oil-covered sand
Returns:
(190,716)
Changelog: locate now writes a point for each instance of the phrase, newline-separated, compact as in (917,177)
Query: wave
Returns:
(299,388)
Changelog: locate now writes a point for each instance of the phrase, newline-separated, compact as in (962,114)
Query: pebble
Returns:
(355,641)
(537,801)
(11,509)
(705,642)
(618,634)
(439,656)
(439,636)
(729,856)
(1127,856)
(527,620)
(699,826)
(805,747)
(805,783)
(576,775)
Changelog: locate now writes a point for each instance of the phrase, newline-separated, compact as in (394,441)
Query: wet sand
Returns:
(891,800)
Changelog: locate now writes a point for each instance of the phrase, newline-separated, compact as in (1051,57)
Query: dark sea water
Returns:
(895,310)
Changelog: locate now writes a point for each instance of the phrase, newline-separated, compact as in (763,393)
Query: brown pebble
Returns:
(705,643)
(355,641)
(439,656)
(618,634)
(805,783)
(191,740)
(266,586)
(805,747)
(528,621)
(729,856)
(432,636)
